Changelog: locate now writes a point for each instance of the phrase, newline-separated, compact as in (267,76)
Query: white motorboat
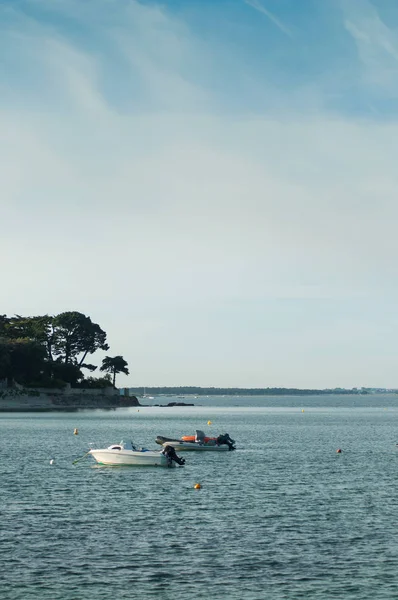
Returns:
(126,453)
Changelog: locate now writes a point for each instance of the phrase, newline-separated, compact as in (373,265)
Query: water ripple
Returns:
(284,518)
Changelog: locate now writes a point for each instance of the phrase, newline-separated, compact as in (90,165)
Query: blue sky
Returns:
(213,182)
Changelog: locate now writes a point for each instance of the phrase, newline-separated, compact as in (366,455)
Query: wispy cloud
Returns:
(257,6)
(119,172)
(376,42)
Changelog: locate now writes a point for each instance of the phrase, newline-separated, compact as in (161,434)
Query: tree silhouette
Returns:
(76,336)
(114,365)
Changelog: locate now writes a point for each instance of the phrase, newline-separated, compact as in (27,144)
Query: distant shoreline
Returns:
(181,392)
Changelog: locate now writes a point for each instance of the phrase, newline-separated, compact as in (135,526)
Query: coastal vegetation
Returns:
(53,351)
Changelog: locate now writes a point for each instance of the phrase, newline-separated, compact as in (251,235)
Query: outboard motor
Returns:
(200,436)
(171,455)
(225,439)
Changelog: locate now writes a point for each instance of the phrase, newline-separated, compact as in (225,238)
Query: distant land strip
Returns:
(213,391)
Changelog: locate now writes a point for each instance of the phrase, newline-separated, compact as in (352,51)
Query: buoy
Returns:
(52,461)
(302,410)
(197,486)
(75,431)
(338,451)
(209,422)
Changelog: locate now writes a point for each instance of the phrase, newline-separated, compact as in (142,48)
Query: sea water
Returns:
(283,517)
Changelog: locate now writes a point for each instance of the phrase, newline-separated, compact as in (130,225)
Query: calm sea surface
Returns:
(284,516)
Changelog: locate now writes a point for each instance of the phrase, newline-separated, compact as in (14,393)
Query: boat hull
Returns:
(195,447)
(131,458)
(162,440)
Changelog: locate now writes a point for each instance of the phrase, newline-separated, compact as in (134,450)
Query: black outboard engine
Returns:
(225,439)
(171,455)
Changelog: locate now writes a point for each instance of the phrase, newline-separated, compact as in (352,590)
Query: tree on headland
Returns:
(39,330)
(114,365)
(21,360)
(50,351)
(68,337)
(3,323)
(75,337)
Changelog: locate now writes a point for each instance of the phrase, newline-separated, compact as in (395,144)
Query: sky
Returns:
(214,182)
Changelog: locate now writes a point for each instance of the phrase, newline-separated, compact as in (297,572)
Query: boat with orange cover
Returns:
(191,438)
(198,442)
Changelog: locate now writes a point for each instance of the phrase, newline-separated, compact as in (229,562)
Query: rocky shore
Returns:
(41,402)
(174,404)
(22,400)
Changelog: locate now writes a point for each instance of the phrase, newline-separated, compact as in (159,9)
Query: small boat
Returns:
(126,453)
(192,438)
(199,442)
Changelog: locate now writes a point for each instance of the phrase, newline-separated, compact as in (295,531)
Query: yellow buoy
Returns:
(302,410)
(209,422)
(75,431)
(197,486)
